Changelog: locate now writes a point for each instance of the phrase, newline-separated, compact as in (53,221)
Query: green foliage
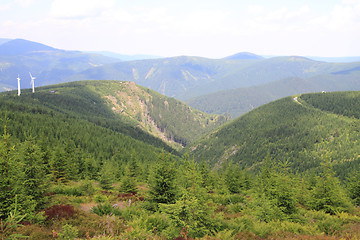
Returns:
(192,215)
(163,188)
(11,223)
(33,168)
(105,209)
(353,187)
(128,184)
(6,183)
(75,131)
(299,133)
(236,179)
(328,195)
(100,198)
(107,175)
(68,189)
(68,232)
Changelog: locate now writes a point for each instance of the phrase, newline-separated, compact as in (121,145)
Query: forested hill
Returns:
(121,106)
(305,131)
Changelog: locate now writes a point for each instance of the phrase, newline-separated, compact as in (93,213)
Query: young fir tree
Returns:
(128,182)
(277,187)
(58,165)
(236,179)
(353,187)
(6,182)
(163,188)
(107,175)
(33,178)
(328,195)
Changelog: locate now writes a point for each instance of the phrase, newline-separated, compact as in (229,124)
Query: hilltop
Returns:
(21,46)
(305,132)
(243,55)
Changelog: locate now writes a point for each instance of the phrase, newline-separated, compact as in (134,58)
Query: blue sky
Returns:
(208,28)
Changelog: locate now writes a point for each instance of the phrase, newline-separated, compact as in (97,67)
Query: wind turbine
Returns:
(32,82)
(19,91)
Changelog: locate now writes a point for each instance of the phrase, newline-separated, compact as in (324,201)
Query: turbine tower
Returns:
(19,90)
(32,82)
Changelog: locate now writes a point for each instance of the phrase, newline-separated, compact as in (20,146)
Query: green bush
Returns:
(68,190)
(87,187)
(100,198)
(68,233)
(105,209)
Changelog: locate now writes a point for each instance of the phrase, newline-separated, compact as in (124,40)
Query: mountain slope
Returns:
(77,132)
(188,77)
(168,76)
(129,109)
(288,130)
(241,100)
(21,46)
(49,65)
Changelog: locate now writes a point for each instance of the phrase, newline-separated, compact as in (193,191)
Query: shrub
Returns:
(87,187)
(99,198)
(58,212)
(68,233)
(68,190)
(105,209)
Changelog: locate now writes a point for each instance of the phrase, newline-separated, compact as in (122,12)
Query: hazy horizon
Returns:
(212,29)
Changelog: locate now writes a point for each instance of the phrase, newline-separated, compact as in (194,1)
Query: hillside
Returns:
(128,108)
(168,76)
(303,132)
(241,100)
(188,77)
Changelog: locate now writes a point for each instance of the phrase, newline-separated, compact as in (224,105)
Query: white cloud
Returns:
(4,7)
(78,9)
(24,3)
(350,1)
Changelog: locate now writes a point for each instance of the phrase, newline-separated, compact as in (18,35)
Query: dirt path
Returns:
(296,100)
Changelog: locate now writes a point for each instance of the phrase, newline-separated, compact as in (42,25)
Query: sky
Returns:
(207,28)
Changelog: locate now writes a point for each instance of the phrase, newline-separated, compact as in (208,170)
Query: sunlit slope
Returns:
(127,108)
(74,126)
(300,132)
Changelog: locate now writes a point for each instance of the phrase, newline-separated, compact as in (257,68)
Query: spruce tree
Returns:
(328,195)
(6,183)
(33,178)
(163,188)
(107,175)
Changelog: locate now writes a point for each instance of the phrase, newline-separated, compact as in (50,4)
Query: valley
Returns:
(256,148)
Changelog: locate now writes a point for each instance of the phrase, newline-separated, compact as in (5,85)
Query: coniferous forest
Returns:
(73,168)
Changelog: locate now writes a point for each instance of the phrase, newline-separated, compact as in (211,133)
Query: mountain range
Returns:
(233,85)
(303,130)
